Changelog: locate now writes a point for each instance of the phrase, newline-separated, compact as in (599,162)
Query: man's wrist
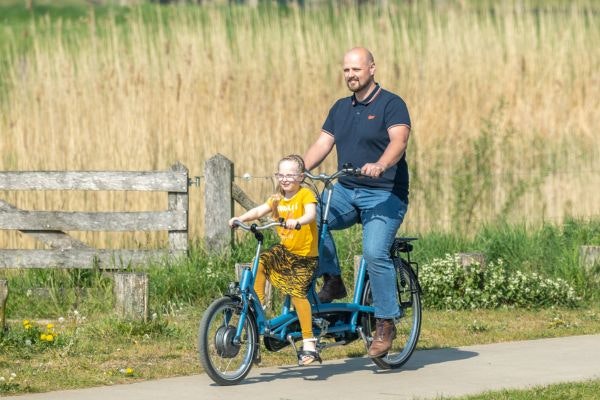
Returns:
(380,165)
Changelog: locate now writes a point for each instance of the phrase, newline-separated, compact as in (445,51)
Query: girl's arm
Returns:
(252,214)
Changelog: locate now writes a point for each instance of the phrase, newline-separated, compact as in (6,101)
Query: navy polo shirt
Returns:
(360,131)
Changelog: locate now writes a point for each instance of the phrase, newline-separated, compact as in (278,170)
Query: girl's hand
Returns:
(231,221)
(292,224)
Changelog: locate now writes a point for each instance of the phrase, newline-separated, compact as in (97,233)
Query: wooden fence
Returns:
(220,192)
(63,251)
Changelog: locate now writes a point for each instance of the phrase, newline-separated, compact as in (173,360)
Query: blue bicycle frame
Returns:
(277,327)
(232,326)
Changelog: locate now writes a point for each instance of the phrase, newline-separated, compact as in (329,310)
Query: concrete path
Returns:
(427,375)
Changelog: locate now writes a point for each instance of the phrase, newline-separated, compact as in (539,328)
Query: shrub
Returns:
(448,285)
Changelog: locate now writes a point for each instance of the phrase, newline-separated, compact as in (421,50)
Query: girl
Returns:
(290,265)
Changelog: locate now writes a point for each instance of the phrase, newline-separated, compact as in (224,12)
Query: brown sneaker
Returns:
(385,333)
(333,288)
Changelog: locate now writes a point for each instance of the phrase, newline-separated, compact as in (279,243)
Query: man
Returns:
(370,130)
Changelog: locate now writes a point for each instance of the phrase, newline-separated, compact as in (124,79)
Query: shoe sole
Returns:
(378,356)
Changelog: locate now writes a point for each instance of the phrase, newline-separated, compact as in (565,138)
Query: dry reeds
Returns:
(504,104)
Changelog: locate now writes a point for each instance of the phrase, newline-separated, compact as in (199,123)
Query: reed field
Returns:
(503,97)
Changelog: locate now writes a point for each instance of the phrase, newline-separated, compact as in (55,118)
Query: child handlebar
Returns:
(256,228)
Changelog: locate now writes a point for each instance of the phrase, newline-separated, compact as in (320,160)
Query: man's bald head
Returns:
(362,54)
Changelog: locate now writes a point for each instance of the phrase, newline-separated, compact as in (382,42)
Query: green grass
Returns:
(99,350)
(587,390)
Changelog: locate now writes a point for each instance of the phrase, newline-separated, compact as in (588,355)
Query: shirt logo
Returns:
(371,116)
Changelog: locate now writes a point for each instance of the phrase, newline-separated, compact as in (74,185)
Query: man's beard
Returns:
(357,88)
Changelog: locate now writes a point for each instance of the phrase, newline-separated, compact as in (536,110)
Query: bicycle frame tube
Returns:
(324,215)
(329,188)
(248,292)
(360,281)
(359,287)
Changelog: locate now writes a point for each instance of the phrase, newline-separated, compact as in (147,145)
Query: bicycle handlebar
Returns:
(256,228)
(347,170)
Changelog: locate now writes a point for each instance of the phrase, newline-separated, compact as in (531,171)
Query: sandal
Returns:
(306,357)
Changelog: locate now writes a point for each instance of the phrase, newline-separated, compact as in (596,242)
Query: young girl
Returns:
(290,265)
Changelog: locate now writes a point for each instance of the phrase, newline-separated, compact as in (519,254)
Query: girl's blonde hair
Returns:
(276,198)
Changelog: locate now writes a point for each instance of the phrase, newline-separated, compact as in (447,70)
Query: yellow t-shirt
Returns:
(303,242)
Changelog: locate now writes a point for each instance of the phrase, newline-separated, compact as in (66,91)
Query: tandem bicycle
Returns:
(231,329)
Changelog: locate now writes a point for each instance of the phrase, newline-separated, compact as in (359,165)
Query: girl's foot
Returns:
(309,352)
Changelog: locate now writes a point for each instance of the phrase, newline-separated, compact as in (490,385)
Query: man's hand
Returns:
(374,170)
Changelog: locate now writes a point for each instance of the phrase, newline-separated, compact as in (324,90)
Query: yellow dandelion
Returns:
(50,326)
(129,371)
(43,337)
(49,337)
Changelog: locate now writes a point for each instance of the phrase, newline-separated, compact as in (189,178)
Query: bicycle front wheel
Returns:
(408,326)
(226,361)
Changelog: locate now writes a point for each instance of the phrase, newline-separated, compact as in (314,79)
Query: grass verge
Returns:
(103,351)
(587,390)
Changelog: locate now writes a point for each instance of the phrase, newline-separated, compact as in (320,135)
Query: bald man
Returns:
(369,130)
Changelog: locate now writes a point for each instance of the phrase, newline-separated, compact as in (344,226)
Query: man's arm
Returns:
(320,149)
(393,152)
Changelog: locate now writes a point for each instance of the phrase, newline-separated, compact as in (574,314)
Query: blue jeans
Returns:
(381,213)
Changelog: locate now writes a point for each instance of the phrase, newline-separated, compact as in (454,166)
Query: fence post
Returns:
(589,256)
(218,203)
(131,295)
(3,297)
(178,240)
(466,259)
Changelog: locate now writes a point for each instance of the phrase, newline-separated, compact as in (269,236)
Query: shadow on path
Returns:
(316,372)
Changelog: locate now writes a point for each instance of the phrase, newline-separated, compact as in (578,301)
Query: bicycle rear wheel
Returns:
(408,326)
(226,362)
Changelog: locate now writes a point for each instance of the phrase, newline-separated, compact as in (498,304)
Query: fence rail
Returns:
(67,252)
(162,181)
(94,221)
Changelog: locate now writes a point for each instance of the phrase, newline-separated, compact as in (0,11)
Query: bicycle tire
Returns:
(225,362)
(408,326)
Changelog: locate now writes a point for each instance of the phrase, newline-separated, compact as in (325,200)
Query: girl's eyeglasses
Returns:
(287,177)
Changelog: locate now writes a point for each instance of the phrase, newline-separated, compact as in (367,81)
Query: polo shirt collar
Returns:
(369,98)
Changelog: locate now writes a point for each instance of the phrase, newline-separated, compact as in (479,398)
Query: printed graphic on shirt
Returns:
(302,242)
